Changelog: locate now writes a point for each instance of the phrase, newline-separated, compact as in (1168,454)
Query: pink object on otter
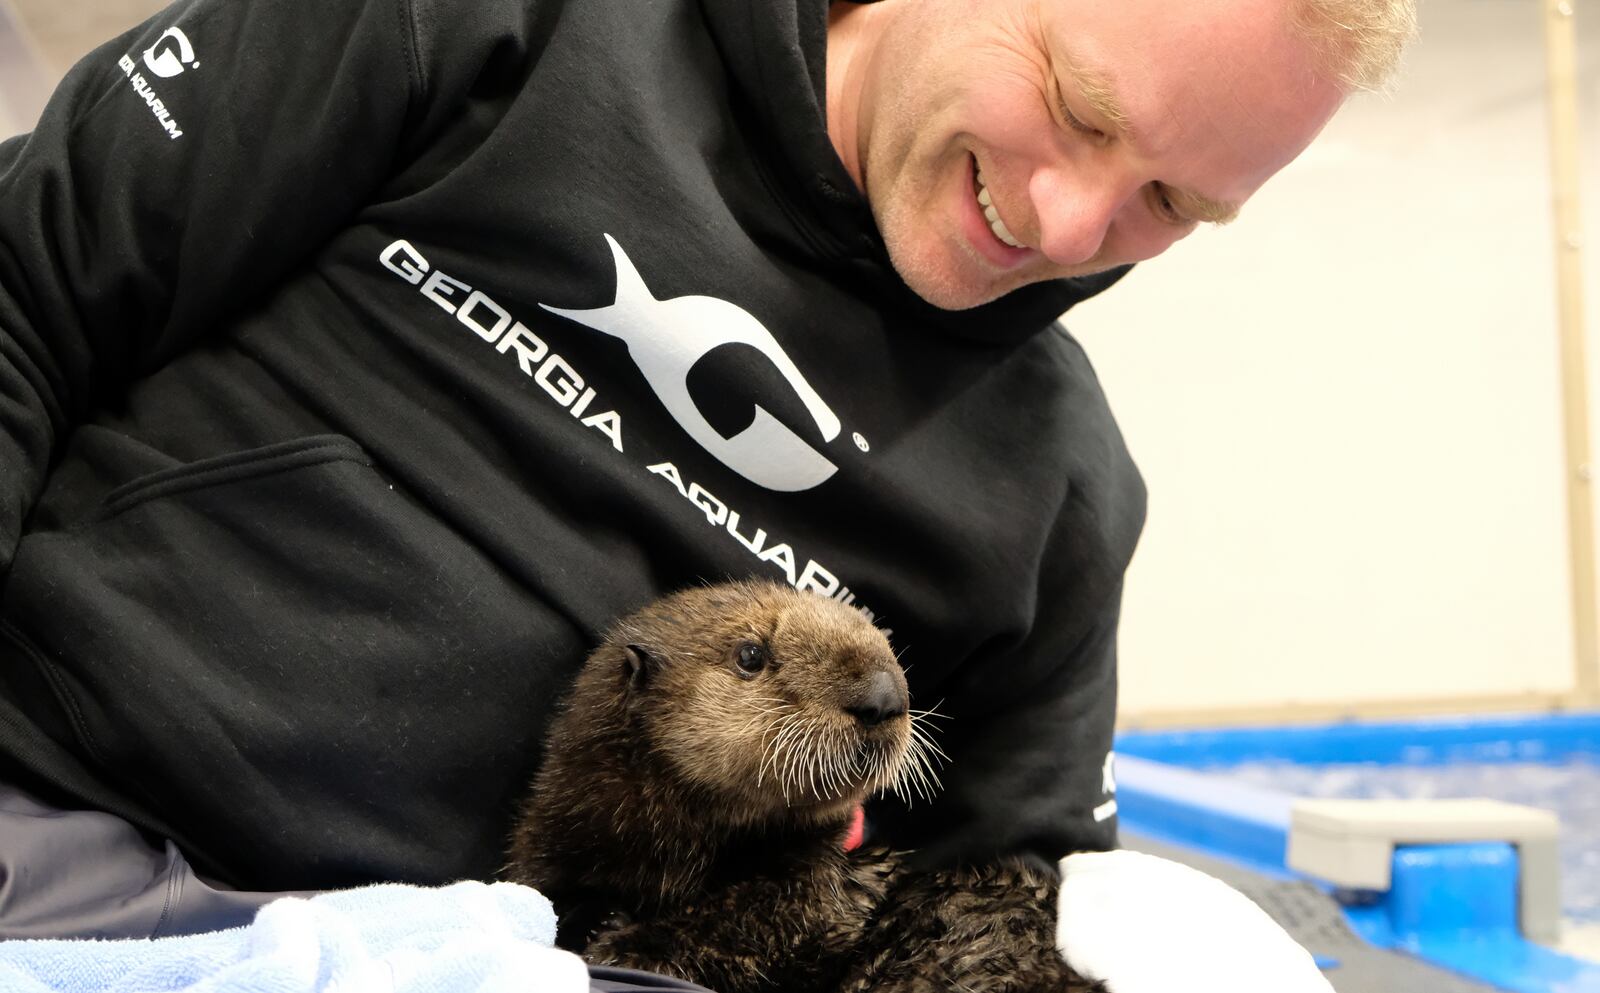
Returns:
(858,830)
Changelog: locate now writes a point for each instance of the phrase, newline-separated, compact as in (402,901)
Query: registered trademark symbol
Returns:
(861,442)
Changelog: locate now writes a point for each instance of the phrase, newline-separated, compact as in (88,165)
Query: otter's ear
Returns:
(639,665)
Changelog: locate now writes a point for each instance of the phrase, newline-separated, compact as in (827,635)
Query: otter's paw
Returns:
(634,946)
(988,929)
(616,920)
(932,970)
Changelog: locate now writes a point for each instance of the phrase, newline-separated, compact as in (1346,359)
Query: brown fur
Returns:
(689,815)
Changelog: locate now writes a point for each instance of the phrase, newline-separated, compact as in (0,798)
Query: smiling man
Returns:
(362,360)
(1002,143)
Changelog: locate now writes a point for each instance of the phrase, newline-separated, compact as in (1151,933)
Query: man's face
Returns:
(987,137)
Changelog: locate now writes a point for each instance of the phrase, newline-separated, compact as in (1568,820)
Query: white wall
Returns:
(1347,403)
(25,75)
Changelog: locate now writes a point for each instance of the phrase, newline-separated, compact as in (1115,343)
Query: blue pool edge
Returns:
(1160,796)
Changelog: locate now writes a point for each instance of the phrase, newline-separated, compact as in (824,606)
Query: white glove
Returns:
(1142,924)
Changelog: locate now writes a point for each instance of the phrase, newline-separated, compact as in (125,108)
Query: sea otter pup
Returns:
(691,813)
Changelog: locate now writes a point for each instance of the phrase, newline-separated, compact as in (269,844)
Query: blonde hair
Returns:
(1361,39)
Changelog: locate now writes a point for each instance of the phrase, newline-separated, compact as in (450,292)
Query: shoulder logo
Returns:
(171,54)
(665,338)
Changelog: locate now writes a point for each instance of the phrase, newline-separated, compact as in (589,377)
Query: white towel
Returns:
(465,938)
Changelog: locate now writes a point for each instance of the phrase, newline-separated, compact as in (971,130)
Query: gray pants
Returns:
(87,874)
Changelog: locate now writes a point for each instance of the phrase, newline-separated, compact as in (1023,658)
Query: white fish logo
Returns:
(666,338)
(170,62)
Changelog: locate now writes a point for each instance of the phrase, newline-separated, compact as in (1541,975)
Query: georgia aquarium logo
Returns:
(171,54)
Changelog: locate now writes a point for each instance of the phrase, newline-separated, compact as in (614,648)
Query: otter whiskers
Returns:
(916,772)
(819,759)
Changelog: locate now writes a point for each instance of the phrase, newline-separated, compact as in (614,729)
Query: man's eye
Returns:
(1077,124)
(1164,208)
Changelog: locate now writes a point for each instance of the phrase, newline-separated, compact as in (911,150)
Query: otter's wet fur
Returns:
(690,813)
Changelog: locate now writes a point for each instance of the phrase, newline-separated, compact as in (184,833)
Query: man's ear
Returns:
(639,665)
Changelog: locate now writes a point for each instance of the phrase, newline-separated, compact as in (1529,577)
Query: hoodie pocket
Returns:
(281,647)
(231,468)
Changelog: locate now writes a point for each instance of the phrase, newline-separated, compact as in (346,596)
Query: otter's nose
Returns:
(882,700)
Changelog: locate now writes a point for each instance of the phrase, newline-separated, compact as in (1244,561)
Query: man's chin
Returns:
(949,290)
(948,293)
(952,299)
(948,284)
(953,280)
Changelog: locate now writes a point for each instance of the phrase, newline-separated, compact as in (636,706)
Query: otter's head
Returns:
(774,706)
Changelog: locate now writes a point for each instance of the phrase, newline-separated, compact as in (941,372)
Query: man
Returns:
(359,362)
(1103,133)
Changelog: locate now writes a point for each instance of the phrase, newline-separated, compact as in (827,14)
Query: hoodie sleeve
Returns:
(182,169)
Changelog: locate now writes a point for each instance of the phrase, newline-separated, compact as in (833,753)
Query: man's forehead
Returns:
(1224,98)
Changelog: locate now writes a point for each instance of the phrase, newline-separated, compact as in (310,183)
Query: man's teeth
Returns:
(995,223)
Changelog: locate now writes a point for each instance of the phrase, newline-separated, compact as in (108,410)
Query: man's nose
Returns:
(1075,213)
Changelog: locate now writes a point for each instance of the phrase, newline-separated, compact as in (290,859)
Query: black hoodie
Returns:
(361,360)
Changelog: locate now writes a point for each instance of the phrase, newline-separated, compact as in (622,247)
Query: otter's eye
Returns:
(752,659)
